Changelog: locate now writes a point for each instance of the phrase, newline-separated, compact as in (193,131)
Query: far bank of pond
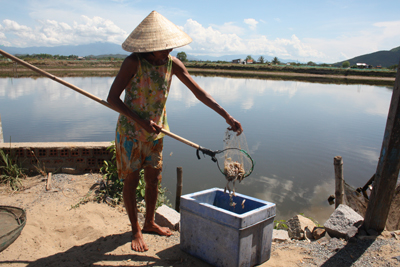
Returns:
(109,68)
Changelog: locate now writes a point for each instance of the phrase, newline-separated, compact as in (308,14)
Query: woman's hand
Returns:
(151,127)
(235,125)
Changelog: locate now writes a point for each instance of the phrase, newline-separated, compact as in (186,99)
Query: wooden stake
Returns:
(1,133)
(339,183)
(388,167)
(179,185)
(48,182)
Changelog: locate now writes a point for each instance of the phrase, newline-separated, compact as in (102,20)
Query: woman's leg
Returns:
(129,196)
(152,176)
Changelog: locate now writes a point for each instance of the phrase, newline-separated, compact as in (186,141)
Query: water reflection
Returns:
(293,130)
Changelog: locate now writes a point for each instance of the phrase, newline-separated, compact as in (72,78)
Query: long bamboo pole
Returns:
(93,97)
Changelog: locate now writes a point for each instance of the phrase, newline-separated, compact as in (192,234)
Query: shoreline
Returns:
(336,76)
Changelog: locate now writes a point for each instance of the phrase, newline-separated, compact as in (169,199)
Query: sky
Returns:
(325,31)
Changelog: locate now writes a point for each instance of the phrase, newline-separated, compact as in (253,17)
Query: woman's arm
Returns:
(183,75)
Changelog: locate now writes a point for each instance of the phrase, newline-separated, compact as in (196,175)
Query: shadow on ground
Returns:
(96,253)
(349,254)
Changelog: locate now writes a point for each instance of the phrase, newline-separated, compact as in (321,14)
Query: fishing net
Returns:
(234,161)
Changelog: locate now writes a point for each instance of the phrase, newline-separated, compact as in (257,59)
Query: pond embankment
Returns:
(65,157)
(102,68)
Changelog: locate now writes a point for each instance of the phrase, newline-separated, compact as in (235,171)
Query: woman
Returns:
(146,76)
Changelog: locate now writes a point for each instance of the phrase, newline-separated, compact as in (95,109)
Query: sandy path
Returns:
(93,234)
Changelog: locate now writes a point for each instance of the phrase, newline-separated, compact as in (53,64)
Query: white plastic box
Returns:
(223,235)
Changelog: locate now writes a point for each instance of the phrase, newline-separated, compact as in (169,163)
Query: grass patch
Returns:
(10,172)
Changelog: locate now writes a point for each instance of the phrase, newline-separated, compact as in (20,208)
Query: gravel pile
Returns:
(356,252)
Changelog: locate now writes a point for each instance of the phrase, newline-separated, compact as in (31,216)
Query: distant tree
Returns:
(261,59)
(275,61)
(249,57)
(393,67)
(182,56)
(310,63)
(346,64)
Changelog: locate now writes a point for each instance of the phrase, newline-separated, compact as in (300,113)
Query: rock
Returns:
(167,217)
(297,227)
(308,234)
(280,236)
(396,258)
(385,235)
(325,239)
(343,222)
(331,199)
(396,234)
(318,232)
(69,170)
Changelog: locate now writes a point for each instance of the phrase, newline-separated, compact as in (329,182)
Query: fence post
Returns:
(339,183)
(179,184)
(388,167)
(1,132)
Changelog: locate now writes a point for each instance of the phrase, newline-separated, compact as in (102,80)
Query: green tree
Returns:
(261,59)
(182,56)
(249,57)
(345,64)
(275,61)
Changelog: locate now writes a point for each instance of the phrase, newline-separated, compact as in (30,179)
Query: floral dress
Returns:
(146,94)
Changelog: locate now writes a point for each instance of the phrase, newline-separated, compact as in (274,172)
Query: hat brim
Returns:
(155,33)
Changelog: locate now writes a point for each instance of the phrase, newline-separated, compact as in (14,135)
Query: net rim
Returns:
(244,152)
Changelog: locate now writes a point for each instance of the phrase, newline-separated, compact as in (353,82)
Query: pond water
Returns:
(293,131)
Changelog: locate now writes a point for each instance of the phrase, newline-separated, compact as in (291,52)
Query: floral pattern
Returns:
(146,94)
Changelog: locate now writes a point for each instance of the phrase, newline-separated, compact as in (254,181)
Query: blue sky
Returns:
(321,31)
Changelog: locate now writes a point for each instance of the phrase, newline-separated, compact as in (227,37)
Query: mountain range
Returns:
(382,58)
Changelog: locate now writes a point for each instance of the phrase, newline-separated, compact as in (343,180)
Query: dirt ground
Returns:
(62,230)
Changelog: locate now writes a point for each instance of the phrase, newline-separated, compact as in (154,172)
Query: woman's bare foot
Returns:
(155,228)
(138,243)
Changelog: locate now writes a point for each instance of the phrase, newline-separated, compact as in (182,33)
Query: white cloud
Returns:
(51,32)
(229,27)
(211,41)
(2,35)
(214,42)
(10,25)
(252,23)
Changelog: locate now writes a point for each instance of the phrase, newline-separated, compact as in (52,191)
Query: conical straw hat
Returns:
(155,33)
